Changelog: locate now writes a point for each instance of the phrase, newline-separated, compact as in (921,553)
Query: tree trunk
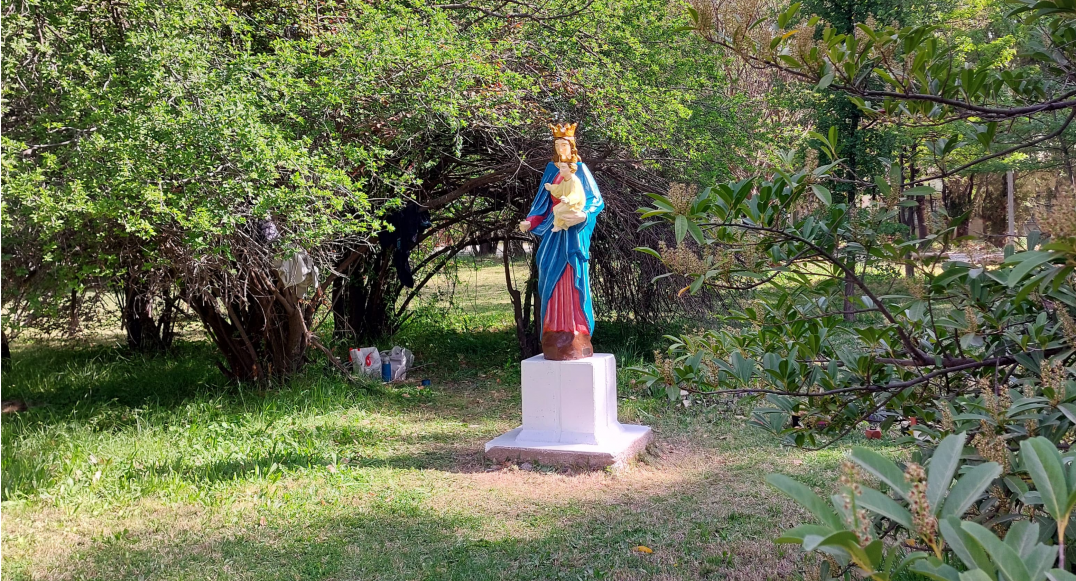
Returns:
(1067,157)
(909,220)
(146,332)
(849,289)
(364,304)
(906,216)
(528,330)
(74,326)
(1010,203)
(965,226)
(262,335)
(921,217)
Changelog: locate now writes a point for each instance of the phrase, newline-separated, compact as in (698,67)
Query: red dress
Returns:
(564,312)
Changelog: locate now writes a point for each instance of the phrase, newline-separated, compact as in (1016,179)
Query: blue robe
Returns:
(571,246)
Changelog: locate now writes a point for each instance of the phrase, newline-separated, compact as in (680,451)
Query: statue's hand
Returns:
(573,218)
(549,187)
(525,226)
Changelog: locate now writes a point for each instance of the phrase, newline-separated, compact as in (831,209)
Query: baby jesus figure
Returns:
(570,198)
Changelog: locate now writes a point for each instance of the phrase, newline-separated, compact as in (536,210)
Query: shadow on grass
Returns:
(457,354)
(84,400)
(399,535)
(462,459)
(63,378)
(460,354)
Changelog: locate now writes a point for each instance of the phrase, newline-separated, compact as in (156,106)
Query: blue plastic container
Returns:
(386,371)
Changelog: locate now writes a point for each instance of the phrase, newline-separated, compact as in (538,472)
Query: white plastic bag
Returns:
(367,360)
(298,271)
(401,360)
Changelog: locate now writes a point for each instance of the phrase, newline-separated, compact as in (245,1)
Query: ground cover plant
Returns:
(128,466)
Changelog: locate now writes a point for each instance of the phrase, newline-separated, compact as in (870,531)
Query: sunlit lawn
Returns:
(133,468)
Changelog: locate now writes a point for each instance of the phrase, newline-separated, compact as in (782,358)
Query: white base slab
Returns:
(570,416)
(617,450)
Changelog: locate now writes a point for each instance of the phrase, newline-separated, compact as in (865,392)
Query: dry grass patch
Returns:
(698,516)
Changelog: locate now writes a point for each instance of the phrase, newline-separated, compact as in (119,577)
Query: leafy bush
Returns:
(968,351)
(926,515)
(961,353)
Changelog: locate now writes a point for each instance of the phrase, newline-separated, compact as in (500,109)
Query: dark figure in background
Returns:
(409,223)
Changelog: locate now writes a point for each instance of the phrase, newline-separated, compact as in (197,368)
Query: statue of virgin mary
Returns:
(563,215)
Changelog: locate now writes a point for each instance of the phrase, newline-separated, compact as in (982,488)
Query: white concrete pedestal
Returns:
(569,416)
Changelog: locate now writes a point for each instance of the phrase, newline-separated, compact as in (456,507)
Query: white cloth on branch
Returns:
(298,271)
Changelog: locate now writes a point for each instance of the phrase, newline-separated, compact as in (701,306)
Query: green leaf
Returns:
(1060,575)
(875,552)
(1022,536)
(879,503)
(661,202)
(743,368)
(695,231)
(969,488)
(1039,559)
(785,18)
(680,227)
(893,566)
(672,392)
(1028,261)
(920,191)
(1016,485)
(1006,560)
(837,539)
(1043,463)
(942,467)
(935,569)
(825,81)
(965,547)
(649,251)
(887,78)
(883,186)
(822,193)
(696,284)
(975,575)
(790,61)
(806,497)
(845,541)
(882,468)
(795,535)
(1034,255)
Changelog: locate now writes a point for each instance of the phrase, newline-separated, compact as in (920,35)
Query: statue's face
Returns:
(564,149)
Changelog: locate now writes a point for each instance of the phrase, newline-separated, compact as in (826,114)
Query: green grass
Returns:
(127,467)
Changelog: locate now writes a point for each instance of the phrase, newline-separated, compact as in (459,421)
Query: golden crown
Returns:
(563,129)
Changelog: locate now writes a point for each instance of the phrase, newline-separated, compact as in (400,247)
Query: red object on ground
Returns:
(912,421)
(874,434)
